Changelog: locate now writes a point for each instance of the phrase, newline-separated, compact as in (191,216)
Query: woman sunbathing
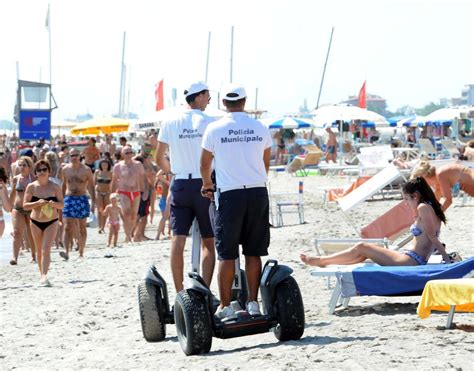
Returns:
(444,179)
(419,196)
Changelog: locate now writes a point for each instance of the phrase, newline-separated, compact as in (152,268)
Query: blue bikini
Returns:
(417,231)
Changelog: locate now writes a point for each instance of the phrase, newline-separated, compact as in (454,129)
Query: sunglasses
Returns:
(42,170)
(128,153)
(23,165)
(74,156)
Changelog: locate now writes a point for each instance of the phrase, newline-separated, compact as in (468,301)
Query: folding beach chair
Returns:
(287,203)
(427,148)
(300,165)
(381,231)
(450,148)
(372,279)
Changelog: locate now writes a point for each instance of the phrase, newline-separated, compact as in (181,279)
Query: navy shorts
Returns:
(242,219)
(76,207)
(187,203)
(144,206)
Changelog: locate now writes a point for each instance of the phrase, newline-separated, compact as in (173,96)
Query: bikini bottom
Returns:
(43,225)
(131,195)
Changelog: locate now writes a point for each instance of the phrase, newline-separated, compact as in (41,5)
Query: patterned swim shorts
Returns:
(76,207)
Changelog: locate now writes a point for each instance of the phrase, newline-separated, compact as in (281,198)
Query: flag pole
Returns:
(207,58)
(324,69)
(48,25)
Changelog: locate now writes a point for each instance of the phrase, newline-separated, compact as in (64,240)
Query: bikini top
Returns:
(18,187)
(52,198)
(417,231)
(104,180)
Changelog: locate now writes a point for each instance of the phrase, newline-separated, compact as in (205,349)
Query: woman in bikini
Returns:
(444,179)
(56,176)
(4,199)
(44,198)
(20,216)
(102,180)
(420,197)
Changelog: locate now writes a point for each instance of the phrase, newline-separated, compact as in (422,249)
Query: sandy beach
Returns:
(89,318)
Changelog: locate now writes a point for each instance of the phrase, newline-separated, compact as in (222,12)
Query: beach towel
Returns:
(398,280)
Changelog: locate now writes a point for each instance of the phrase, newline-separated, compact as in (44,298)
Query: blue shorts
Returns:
(162,204)
(242,219)
(76,207)
(331,150)
(187,203)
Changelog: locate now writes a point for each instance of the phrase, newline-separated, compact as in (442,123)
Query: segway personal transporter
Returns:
(283,311)
(153,300)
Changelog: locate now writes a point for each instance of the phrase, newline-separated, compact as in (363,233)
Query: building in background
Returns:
(467,95)
(374,103)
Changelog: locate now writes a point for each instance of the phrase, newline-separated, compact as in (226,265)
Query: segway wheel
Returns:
(193,322)
(151,312)
(290,309)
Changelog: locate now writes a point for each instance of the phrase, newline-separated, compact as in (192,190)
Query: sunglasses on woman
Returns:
(42,170)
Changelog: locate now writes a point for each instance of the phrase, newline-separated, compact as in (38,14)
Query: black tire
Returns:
(151,312)
(241,295)
(193,322)
(290,310)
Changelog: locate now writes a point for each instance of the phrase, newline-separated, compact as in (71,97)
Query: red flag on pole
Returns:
(160,104)
(362,97)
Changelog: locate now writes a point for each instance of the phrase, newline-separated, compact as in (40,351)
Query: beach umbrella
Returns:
(346,112)
(394,121)
(101,126)
(287,123)
(446,115)
(411,121)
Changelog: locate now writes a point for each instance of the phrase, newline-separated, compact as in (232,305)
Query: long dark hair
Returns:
(420,186)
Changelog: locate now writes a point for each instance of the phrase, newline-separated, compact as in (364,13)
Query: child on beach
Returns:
(162,187)
(113,213)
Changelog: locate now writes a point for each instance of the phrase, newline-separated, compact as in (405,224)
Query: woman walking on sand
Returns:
(20,216)
(419,196)
(102,180)
(4,199)
(44,198)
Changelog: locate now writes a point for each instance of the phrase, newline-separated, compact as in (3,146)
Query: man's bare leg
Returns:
(177,261)
(127,215)
(208,259)
(253,270)
(69,233)
(225,278)
(82,236)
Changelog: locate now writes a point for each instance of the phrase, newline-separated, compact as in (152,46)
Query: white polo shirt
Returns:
(237,142)
(183,134)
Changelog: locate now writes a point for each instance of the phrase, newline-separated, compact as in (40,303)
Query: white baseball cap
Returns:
(195,87)
(233,92)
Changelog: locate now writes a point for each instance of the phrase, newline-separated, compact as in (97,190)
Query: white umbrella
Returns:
(345,112)
(448,114)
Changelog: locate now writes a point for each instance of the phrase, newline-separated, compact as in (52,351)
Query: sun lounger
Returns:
(301,164)
(427,148)
(367,279)
(449,146)
(447,295)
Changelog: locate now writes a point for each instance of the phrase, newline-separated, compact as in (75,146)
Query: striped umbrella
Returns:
(287,123)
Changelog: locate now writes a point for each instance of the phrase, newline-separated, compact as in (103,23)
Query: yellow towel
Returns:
(47,210)
(441,294)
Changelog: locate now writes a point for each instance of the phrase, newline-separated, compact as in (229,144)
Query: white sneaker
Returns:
(253,309)
(226,313)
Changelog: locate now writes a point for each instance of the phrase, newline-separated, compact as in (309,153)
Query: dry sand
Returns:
(89,317)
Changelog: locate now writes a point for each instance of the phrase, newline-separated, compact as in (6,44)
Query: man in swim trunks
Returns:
(127,181)
(78,180)
(331,146)
(91,154)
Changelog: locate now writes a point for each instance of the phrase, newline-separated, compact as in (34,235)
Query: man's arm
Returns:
(206,171)
(445,192)
(161,161)
(266,159)
(90,187)
(113,184)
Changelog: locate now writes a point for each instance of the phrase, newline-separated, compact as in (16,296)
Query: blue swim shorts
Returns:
(76,207)
(162,204)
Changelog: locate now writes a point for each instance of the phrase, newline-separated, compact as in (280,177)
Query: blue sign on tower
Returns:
(35,124)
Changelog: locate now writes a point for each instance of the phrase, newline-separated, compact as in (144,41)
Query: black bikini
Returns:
(43,225)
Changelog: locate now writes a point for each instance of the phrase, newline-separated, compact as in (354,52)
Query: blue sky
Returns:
(410,52)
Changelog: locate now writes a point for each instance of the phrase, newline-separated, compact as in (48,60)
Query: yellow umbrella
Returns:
(100,126)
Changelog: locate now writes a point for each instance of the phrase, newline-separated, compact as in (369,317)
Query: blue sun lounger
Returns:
(371,279)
